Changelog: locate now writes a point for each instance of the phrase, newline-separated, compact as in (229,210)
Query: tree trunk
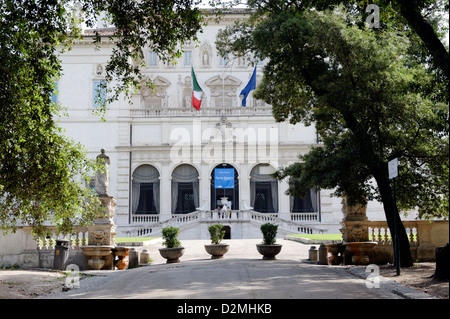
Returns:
(379,169)
(393,219)
(442,263)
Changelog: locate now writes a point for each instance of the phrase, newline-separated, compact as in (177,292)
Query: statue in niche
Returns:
(205,55)
(102,178)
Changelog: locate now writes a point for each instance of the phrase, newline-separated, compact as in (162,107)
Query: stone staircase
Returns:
(191,221)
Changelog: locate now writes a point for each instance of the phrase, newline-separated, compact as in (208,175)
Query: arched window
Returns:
(263,189)
(145,190)
(185,197)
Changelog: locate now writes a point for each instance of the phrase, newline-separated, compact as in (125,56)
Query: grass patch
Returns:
(132,239)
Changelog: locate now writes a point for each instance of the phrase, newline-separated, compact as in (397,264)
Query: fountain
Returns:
(101,251)
(356,248)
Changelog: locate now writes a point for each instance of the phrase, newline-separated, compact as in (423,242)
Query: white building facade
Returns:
(173,165)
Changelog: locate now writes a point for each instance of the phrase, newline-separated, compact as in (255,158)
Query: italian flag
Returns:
(197,92)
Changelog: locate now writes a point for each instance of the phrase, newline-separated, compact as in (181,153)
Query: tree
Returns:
(367,95)
(42,172)
(421,18)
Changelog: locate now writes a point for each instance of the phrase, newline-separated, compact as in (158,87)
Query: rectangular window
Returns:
(152,59)
(98,93)
(188,58)
(146,203)
(306,204)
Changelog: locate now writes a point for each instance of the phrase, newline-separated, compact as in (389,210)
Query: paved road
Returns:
(242,274)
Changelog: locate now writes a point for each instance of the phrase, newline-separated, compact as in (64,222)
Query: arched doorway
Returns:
(224,183)
(185,196)
(263,189)
(145,190)
(227,230)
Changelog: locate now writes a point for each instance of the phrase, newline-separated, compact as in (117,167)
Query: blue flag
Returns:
(251,85)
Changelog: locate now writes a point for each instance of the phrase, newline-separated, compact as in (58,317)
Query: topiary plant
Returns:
(269,233)
(216,233)
(170,237)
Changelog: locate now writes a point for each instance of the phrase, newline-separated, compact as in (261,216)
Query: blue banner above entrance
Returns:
(224,178)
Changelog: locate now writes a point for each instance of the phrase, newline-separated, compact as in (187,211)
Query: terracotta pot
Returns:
(121,263)
(217,250)
(269,251)
(172,254)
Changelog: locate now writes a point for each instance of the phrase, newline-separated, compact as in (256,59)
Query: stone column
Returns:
(166,193)
(284,211)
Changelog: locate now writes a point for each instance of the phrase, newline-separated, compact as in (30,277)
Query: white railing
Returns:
(204,111)
(185,220)
(305,217)
(78,237)
(151,218)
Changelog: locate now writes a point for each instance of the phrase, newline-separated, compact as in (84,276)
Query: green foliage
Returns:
(216,233)
(269,232)
(372,94)
(42,172)
(170,237)
(160,26)
(369,97)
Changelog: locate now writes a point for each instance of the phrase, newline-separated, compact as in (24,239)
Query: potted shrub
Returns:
(173,250)
(216,249)
(268,248)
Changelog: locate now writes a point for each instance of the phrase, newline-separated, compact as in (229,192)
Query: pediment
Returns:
(160,86)
(161,81)
(229,80)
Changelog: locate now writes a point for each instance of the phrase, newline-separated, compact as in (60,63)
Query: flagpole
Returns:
(223,91)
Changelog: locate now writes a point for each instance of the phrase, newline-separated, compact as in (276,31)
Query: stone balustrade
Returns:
(424,238)
(185,220)
(204,111)
(305,217)
(147,218)
(78,237)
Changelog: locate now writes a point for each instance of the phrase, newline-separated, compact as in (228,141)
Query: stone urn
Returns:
(335,250)
(269,251)
(172,254)
(122,257)
(217,250)
(144,257)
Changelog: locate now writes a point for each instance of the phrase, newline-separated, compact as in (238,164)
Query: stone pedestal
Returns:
(355,235)
(102,233)
(104,230)
(355,223)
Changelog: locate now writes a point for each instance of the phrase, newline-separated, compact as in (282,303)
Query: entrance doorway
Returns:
(227,230)
(225,185)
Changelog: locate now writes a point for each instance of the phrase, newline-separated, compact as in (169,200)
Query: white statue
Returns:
(102,178)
